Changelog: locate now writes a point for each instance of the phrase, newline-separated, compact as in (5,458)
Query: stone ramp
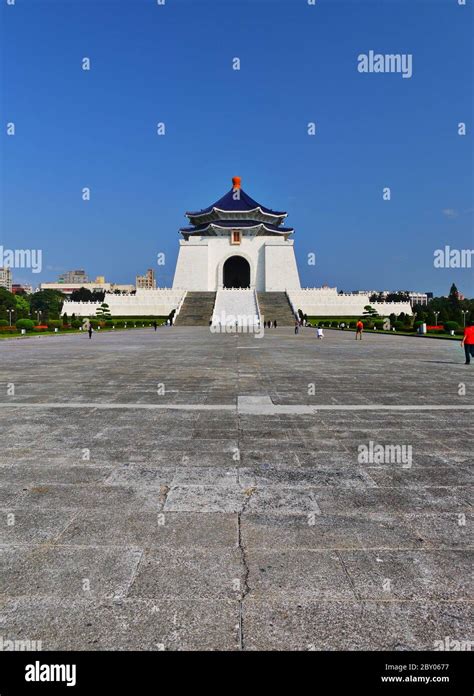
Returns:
(235,307)
(274,306)
(197,309)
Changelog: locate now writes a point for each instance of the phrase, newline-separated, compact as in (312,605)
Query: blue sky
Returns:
(173,64)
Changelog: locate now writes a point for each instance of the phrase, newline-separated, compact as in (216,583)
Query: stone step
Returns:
(196,309)
(274,306)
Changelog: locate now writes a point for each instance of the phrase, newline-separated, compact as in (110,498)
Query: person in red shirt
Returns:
(359,329)
(468,342)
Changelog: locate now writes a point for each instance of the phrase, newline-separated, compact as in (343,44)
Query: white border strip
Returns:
(257,409)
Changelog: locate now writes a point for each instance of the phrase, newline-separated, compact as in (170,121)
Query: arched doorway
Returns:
(236,272)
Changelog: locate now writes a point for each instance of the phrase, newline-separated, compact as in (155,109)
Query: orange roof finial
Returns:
(236,182)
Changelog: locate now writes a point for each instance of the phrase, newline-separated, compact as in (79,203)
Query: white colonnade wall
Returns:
(328,302)
(159,302)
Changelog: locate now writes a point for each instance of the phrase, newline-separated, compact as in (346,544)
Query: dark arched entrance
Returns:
(236,272)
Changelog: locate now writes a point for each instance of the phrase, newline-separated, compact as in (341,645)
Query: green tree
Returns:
(370,311)
(103,312)
(454,303)
(443,316)
(22,306)
(48,302)
(397,297)
(7,301)
(81,295)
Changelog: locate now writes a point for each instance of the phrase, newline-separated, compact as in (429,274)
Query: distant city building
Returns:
(78,276)
(6,278)
(98,285)
(147,281)
(418,298)
(414,297)
(22,289)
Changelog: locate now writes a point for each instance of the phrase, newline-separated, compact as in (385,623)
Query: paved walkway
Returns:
(183,490)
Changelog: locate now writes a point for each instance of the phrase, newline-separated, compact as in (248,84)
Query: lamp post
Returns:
(464,312)
(10,311)
(436,318)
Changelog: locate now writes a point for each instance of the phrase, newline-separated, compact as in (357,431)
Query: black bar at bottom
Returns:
(151,672)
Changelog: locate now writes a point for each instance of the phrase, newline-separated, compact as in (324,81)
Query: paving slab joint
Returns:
(349,579)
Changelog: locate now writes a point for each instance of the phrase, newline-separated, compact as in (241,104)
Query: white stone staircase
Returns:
(236,307)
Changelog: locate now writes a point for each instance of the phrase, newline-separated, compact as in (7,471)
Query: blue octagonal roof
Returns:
(236,200)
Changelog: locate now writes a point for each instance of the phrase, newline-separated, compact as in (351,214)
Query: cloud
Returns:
(450,213)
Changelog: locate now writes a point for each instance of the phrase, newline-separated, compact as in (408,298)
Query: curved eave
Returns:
(260,227)
(220,213)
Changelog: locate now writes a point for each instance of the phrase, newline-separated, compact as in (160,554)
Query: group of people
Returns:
(320,332)
(467,342)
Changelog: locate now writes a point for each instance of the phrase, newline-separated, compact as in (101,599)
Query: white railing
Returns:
(257,305)
(294,309)
(180,304)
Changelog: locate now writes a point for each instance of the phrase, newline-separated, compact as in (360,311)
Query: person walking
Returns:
(319,333)
(297,326)
(468,342)
(155,325)
(359,329)
(90,330)
(274,324)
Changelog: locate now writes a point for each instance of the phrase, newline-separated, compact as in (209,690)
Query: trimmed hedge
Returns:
(27,324)
(451,325)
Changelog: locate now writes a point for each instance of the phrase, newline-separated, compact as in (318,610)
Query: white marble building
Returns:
(237,243)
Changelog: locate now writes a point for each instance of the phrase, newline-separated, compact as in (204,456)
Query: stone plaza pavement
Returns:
(182,490)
